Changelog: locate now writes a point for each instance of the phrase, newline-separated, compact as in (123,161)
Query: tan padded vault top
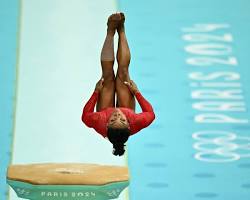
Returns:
(67,173)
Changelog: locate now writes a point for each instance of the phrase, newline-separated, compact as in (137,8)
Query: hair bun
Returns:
(119,151)
(118,145)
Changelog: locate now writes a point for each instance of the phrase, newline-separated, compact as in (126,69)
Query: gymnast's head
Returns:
(118,131)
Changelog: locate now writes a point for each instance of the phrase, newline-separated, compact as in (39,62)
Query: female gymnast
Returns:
(120,122)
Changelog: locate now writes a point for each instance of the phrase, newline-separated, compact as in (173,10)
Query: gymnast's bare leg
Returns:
(107,94)
(124,97)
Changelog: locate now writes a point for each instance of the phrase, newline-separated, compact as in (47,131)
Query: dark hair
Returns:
(118,136)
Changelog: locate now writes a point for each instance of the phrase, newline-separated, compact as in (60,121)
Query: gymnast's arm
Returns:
(145,118)
(88,116)
(145,105)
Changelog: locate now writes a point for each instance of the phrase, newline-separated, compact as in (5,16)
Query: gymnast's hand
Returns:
(132,86)
(99,85)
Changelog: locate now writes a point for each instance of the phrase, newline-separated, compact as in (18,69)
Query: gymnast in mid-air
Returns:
(116,121)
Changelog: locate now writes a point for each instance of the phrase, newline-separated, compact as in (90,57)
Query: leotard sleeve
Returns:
(88,115)
(147,115)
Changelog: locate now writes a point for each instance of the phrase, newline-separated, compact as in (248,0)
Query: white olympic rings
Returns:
(226,142)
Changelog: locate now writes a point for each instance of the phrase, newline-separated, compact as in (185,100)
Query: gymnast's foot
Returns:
(120,27)
(113,22)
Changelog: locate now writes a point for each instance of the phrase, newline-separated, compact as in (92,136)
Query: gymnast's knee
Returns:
(108,76)
(123,74)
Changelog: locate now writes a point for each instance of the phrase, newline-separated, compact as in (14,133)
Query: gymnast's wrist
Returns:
(96,91)
(136,91)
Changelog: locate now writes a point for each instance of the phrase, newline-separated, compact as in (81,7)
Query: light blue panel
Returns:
(59,66)
(9,12)
(162,157)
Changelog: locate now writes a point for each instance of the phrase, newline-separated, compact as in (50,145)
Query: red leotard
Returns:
(99,120)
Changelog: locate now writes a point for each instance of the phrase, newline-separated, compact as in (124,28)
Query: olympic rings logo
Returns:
(225,143)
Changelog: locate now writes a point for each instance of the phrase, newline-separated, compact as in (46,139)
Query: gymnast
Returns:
(116,123)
